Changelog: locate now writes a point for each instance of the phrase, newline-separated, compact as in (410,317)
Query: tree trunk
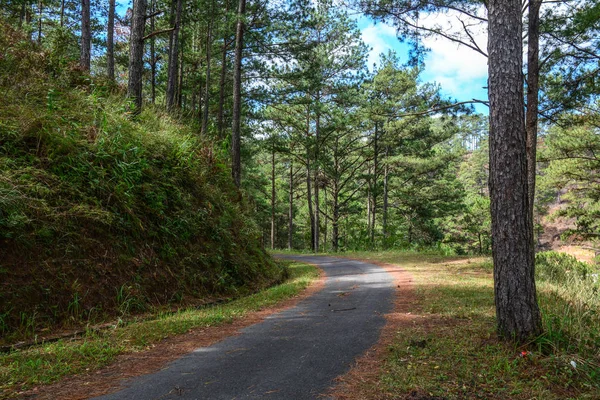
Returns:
(136,54)
(517,310)
(179,102)
(335,219)
(326,219)
(310,205)
(369,185)
(207,91)
(531,118)
(291,208)
(374,195)
(173,68)
(273,195)
(316,181)
(86,36)
(236,166)
(22,15)
(110,43)
(40,17)
(220,122)
(384,211)
(62,13)
(152,53)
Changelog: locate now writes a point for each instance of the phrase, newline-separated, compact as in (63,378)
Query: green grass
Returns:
(103,213)
(49,363)
(451,348)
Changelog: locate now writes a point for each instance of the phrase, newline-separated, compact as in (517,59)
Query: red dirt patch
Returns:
(111,378)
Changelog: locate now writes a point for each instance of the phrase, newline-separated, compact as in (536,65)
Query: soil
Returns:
(110,378)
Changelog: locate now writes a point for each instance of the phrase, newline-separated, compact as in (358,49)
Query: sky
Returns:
(461,72)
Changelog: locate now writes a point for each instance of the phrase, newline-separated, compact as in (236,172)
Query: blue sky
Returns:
(461,72)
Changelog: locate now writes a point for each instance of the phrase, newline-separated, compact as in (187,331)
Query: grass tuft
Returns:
(49,363)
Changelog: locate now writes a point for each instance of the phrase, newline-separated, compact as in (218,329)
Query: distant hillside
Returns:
(103,214)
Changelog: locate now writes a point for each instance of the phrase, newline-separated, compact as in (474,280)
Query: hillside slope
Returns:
(102,214)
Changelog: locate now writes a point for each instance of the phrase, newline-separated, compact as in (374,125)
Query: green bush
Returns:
(559,267)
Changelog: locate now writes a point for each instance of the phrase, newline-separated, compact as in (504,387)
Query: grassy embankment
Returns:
(450,350)
(48,363)
(105,214)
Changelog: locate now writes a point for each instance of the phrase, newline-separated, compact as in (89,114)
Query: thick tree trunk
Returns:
(86,36)
(531,118)
(173,68)
(136,53)
(110,42)
(517,310)
(291,208)
(236,165)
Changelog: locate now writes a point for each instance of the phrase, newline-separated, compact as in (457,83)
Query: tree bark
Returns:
(152,53)
(136,54)
(316,180)
(335,234)
(531,117)
(273,195)
(173,68)
(62,13)
(86,36)
(207,88)
(310,204)
(375,189)
(40,17)
(220,116)
(110,42)
(236,167)
(384,211)
(179,102)
(291,208)
(517,310)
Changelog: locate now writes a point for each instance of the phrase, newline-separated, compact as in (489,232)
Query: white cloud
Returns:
(456,67)
(380,38)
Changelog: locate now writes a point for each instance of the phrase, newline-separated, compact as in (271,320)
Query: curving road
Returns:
(294,354)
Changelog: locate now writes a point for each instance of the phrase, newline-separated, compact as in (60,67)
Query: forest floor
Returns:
(440,341)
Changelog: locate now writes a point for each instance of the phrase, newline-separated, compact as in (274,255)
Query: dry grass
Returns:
(445,346)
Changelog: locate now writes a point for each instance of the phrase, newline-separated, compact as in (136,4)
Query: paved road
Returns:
(295,354)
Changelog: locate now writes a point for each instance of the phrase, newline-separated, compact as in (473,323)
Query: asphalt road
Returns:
(294,354)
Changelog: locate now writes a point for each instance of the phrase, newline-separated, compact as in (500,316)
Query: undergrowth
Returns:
(102,213)
(47,363)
